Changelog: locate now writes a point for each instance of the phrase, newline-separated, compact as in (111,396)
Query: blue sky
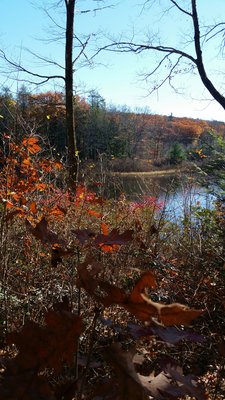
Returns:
(117,77)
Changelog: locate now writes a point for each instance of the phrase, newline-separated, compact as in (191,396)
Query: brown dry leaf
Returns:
(129,384)
(188,384)
(25,386)
(45,235)
(86,277)
(168,384)
(143,311)
(137,303)
(111,294)
(147,280)
(173,314)
(10,215)
(47,346)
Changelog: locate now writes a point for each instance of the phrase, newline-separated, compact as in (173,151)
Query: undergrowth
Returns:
(104,299)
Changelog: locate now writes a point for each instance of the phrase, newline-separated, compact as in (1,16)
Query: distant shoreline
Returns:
(150,174)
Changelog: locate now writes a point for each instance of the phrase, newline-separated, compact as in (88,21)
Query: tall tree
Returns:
(70,123)
(67,77)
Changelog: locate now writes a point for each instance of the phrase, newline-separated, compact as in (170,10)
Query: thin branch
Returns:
(52,19)
(216,33)
(168,78)
(123,47)
(20,68)
(180,8)
(46,60)
(83,47)
(94,10)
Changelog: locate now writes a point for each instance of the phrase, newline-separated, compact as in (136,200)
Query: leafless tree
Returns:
(174,56)
(72,41)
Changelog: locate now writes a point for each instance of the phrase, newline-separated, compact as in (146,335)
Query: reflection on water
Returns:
(179,193)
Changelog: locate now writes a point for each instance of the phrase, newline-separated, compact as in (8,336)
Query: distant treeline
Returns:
(117,133)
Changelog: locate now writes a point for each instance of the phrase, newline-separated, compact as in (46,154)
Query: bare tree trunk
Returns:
(199,61)
(70,122)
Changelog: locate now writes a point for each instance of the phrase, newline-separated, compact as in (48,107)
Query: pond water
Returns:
(178,193)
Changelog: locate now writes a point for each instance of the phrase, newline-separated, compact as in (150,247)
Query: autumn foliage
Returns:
(81,286)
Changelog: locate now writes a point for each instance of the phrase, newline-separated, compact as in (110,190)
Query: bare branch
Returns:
(52,19)
(199,61)
(20,68)
(83,47)
(168,77)
(94,10)
(180,8)
(46,60)
(121,47)
(213,29)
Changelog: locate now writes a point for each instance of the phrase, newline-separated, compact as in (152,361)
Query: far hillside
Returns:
(132,141)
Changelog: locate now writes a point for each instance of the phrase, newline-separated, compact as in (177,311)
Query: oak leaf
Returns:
(42,233)
(48,346)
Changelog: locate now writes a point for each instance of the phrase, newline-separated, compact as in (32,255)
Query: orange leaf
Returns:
(104,229)
(41,186)
(147,280)
(26,162)
(33,207)
(108,248)
(173,314)
(95,213)
(31,144)
(58,165)
(8,204)
(57,211)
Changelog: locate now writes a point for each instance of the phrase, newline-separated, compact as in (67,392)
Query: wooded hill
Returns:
(117,133)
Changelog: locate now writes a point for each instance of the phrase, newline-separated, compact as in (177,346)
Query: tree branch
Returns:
(20,68)
(180,8)
(199,61)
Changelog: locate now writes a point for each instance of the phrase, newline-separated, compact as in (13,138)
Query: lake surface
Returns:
(179,193)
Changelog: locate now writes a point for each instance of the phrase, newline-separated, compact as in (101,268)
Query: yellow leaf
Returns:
(48,116)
